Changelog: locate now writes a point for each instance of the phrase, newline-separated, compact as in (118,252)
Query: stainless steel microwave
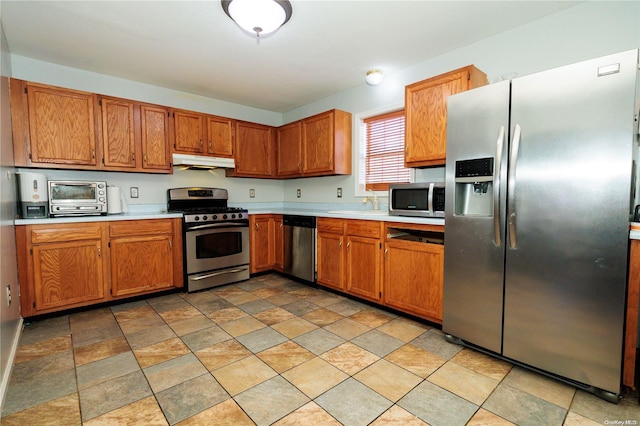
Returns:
(423,199)
(77,197)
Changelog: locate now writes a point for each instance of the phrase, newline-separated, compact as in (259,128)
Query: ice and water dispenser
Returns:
(474,187)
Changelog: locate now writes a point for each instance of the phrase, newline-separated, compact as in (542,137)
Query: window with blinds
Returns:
(384,163)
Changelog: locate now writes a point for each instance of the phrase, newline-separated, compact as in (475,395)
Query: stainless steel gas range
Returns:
(216,237)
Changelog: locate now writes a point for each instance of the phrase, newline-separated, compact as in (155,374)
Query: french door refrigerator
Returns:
(539,184)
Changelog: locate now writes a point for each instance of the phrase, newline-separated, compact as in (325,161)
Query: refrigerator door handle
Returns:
(496,188)
(511,188)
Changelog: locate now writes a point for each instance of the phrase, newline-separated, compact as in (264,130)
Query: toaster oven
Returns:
(77,198)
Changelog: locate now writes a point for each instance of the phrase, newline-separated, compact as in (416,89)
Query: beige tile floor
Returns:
(273,351)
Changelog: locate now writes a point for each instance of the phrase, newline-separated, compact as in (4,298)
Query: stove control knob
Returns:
(204,217)
(215,216)
(233,216)
(224,216)
(196,218)
(239,215)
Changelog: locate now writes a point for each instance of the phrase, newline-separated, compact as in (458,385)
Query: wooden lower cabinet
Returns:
(413,278)
(63,266)
(265,247)
(631,330)
(330,256)
(363,259)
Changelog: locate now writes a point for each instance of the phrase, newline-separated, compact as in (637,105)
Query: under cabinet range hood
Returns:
(186,161)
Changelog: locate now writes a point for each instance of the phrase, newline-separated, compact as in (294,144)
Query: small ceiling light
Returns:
(374,77)
(259,17)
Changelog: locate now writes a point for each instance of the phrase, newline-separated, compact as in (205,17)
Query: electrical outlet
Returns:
(339,193)
(134,192)
(8,295)
(252,193)
(298,193)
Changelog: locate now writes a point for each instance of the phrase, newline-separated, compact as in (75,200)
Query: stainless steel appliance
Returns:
(77,197)
(299,241)
(538,188)
(33,195)
(216,237)
(423,199)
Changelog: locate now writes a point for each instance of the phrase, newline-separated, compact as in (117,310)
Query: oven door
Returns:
(216,246)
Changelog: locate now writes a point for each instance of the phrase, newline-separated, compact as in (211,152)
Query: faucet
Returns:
(374,200)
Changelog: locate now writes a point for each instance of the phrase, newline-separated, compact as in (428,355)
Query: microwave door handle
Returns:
(496,188)
(430,198)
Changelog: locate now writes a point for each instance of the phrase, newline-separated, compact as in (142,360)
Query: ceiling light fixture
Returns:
(374,77)
(259,17)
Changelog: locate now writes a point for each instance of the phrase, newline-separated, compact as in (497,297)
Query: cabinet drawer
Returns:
(72,232)
(364,228)
(140,227)
(333,226)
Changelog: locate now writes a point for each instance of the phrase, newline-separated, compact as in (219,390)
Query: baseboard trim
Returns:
(12,356)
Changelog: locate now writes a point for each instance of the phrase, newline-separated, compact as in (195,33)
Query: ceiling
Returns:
(192,46)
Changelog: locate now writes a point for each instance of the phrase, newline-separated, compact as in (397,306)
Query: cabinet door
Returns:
(61,126)
(278,258)
(426,114)
(289,148)
(118,137)
(220,136)
(255,151)
(140,264)
(261,247)
(154,134)
(67,274)
(413,277)
(318,143)
(330,260)
(363,267)
(189,132)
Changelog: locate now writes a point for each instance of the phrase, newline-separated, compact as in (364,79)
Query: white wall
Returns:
(587,30)
(11,323)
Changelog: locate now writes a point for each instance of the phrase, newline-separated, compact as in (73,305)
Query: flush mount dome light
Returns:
(374,77)
(259,17)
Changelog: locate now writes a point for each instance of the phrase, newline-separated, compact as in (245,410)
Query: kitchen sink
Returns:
(361,212)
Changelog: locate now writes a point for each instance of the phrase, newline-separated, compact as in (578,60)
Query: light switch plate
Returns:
(252,193)
(134,192)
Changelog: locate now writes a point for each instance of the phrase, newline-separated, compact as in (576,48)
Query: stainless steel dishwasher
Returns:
(299,241)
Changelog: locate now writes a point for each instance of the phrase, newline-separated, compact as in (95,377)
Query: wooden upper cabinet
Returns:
(220,136)
(135,136)
(154,138)
(53,126)
(189,132)
(254,150)
(426,114)
(326,144)
(289,149)
(118,135)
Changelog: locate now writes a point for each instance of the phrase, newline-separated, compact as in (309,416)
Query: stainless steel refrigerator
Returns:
(539,184)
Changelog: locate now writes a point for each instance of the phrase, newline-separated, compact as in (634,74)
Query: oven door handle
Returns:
(218,225)
(215,274)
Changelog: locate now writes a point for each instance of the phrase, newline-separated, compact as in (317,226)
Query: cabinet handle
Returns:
(93,153)
(298,166)
(386,251)
(340,244)
(99,251)
(257,226)
(144,158)
(133,157)
(200,144)
(210,146)
(348,244)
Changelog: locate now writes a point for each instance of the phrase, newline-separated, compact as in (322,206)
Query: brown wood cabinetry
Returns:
(363,262)
(53,127)
(329,252)
(142,258)
(63,266)
(289,150)
(135,136)
(189,128)
(315,146)
(631,330)
(220,136)
(254,150)
(265,233)
(413,274)
(426,114)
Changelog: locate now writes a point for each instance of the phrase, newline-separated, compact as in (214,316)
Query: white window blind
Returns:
(385,151)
